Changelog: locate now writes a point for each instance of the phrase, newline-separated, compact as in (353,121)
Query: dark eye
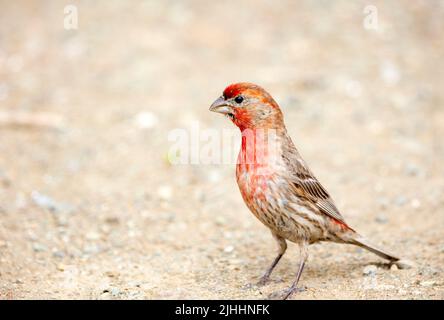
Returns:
(239,99)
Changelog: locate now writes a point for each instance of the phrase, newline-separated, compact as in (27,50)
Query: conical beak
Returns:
(221,106)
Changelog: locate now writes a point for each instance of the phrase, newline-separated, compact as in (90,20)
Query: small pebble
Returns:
(394,267)
(165,192)
(38,247)
(412,170)
(404,264)
(111,274)
(146,120)
(115,291)
(214,176)
(428,271)
(58,254)
(370,270)
(229,249)
(45,201)
(220,221)
(400,201)
(430,283)
(381,219)
(112,220)
(134,284)
(390,73)
(384,287)
(91,249)
(92,236)
(415,203)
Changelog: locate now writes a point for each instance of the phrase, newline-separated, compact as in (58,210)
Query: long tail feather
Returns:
(364,243)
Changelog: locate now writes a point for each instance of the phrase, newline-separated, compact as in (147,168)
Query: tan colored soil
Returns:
(91,209)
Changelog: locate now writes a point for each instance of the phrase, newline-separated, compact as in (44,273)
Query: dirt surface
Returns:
(91,207)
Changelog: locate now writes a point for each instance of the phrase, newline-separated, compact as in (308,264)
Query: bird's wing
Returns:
(306,185)
(309,187)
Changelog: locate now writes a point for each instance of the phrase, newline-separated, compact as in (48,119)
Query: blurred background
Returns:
(90,206)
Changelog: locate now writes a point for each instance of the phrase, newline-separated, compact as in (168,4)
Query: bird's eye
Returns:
(239,99)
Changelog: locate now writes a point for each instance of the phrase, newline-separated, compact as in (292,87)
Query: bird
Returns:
(277,185)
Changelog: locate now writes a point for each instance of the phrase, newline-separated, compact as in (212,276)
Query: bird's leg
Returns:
(282,247)
(304,255)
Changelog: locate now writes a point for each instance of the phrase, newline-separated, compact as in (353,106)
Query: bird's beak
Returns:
(221,106)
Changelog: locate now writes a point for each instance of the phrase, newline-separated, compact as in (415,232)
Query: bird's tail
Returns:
(364,243)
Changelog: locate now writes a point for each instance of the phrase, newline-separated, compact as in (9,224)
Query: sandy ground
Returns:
(91,208)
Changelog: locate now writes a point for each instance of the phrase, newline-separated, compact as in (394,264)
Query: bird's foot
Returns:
(285,294)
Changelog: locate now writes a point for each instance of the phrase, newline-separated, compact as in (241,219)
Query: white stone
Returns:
(146,120)
(229,249)
(370,270)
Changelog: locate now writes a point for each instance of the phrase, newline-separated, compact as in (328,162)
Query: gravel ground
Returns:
(91,207)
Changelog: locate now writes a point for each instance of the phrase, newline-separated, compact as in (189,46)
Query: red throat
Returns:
(253,159)
(242,119)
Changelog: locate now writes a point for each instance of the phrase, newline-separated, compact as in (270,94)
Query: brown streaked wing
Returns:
(314,191)
(306,184)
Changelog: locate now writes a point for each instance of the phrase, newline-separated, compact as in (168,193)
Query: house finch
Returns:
(276,183)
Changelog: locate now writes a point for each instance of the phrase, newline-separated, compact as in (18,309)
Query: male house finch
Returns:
(276,183)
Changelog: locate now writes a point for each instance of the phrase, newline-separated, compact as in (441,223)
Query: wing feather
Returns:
(307,186)
(311,189)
